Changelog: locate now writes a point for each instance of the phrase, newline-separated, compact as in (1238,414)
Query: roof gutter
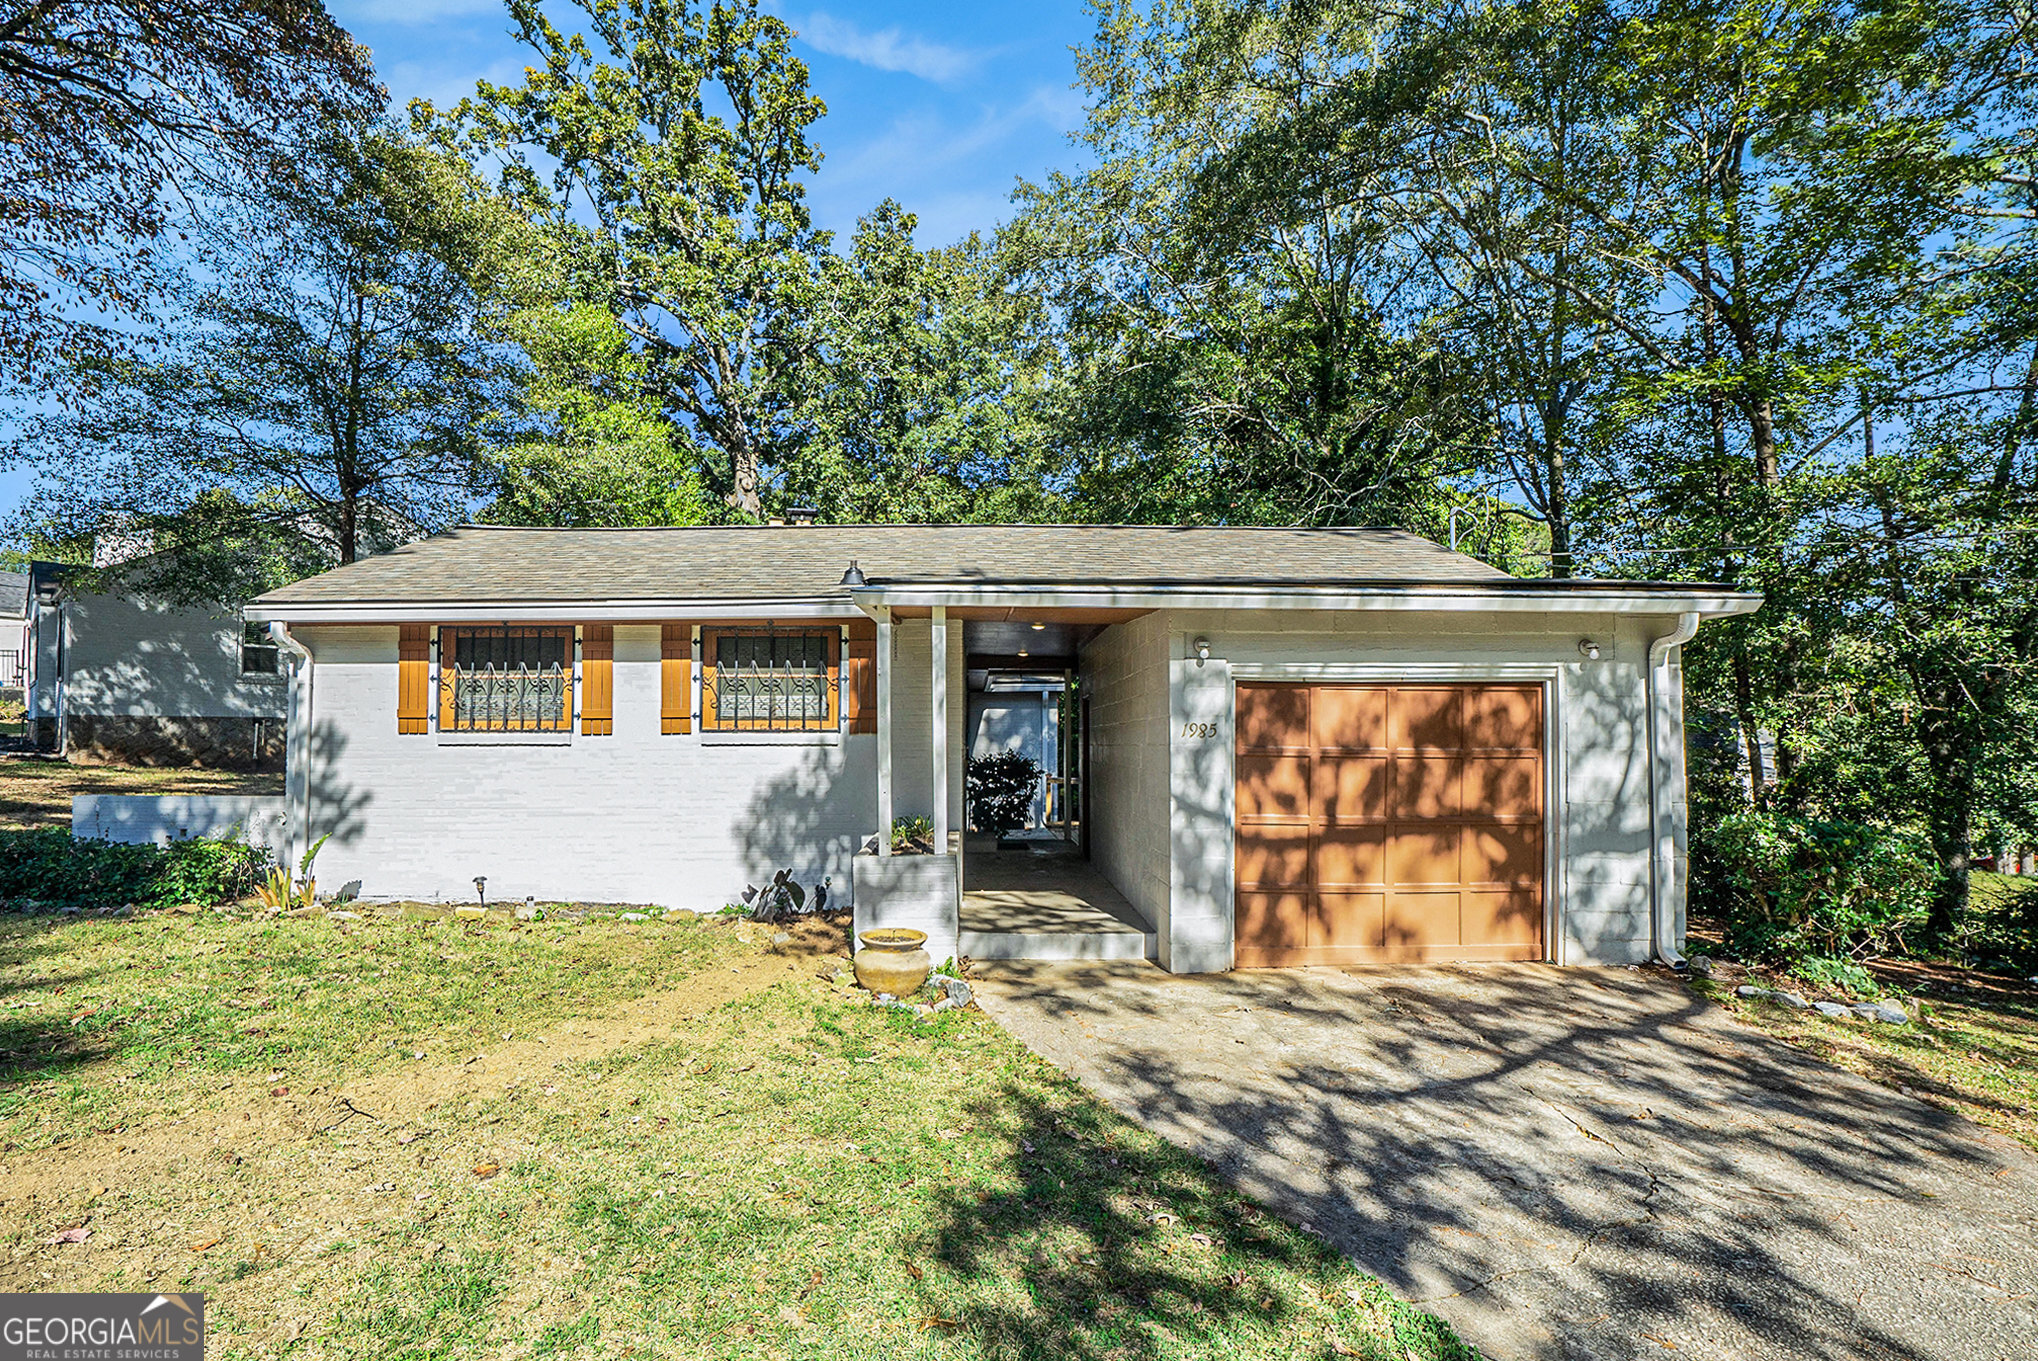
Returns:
(543,612)
(1662,841)
(1714,603)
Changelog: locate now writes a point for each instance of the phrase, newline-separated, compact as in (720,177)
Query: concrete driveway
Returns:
(1568,1163)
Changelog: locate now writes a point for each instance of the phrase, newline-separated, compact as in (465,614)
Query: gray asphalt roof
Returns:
(13,594)
(769,562)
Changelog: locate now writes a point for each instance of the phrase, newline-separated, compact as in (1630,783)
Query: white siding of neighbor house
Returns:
(1125,675)
(136,657)
(679,820)
(1600,883)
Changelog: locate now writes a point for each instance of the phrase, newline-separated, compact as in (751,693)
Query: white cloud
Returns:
(886,50)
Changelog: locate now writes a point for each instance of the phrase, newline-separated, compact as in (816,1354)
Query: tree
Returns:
(592,446)
(1231,340)
(332,376)
(662,149)
(921,394)
(109,108)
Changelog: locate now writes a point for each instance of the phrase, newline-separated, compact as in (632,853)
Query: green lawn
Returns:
(620,1140)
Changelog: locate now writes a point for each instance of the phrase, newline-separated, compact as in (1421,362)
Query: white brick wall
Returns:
(682,820)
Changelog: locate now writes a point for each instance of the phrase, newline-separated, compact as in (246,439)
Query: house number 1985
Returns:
(1199,730)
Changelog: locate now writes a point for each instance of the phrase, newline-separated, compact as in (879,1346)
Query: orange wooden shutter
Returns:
(597,680)
(675,652)
(859,677)
(413,677)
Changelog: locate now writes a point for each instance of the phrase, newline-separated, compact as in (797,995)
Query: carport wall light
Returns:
(1588,649)
(1202,646)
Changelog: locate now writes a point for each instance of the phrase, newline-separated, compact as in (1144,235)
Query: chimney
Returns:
(802,516)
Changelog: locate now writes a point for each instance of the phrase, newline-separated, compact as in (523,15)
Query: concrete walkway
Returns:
(1568,1163)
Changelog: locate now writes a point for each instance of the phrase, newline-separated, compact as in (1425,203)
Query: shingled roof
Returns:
(509,565)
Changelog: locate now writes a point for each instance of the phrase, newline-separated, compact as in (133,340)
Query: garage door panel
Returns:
(1273,856)
(1424,855)
(1422,920)
(1273,786)
(1382,822)
(1269,923)
(1349,788)
(1273,716)
(1349,856)
(1427,787)
(1349,921)
(1502,918)
(1503,853)
(1513,783)
(1498,716)
(1348,718)
(1426,719)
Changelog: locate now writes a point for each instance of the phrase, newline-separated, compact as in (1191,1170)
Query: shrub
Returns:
(1000,789)
(51,866)
(1794,890)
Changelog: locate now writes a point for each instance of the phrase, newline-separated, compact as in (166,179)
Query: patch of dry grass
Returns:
(36,791)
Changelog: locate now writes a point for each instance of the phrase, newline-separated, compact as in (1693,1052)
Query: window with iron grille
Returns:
(769,680)
(507,679)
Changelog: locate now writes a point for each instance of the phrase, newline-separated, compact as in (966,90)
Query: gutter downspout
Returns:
(296,746)
(1662,845)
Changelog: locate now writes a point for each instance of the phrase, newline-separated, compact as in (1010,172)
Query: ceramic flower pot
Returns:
(892,961)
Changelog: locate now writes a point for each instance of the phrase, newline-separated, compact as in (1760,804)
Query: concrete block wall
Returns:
(680,820)
(1125,674)
(163,818)
(1600,813)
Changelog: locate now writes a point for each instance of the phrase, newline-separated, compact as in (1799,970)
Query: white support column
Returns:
(884,730)
(940,707)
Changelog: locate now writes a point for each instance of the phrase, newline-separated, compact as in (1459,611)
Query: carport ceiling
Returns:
(1005,642)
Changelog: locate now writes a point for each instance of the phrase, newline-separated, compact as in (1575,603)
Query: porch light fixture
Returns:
(1038,627)
(1588,649)
(854,576)
(1202,646)
(1024,653)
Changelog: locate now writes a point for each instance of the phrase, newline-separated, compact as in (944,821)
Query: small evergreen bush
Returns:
(1001,788)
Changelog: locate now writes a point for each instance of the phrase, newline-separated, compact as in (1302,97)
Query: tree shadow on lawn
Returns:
(1117,1245)
(38,1045)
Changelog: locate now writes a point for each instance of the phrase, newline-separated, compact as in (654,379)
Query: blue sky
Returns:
(941,107)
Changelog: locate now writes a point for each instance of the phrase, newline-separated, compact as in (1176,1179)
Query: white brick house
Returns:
(1284,745)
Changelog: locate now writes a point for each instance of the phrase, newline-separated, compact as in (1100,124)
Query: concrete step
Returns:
(1059,944)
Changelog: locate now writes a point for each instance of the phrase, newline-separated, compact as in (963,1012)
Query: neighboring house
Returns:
(1293,745)
(130,678)
(14,639)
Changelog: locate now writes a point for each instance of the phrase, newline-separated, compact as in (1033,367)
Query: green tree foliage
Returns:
(1230,341)
(327,386)
(921,398)
(592,446)
(662,149)
(114,110)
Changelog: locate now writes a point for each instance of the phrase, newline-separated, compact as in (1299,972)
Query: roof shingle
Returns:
(512,565)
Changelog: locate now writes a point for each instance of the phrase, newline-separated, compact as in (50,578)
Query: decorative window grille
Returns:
(509,679)
(769,680)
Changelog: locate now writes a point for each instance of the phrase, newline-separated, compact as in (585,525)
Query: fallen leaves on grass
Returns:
(77,1235)
(205,1244)
(485,1170)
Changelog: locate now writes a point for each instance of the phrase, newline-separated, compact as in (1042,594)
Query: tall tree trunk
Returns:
(350,527)
(1952,745)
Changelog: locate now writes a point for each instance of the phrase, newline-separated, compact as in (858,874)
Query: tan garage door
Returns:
(1389,822)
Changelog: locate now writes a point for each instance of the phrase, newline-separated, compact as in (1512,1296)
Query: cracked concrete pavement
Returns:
(1568,1163)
